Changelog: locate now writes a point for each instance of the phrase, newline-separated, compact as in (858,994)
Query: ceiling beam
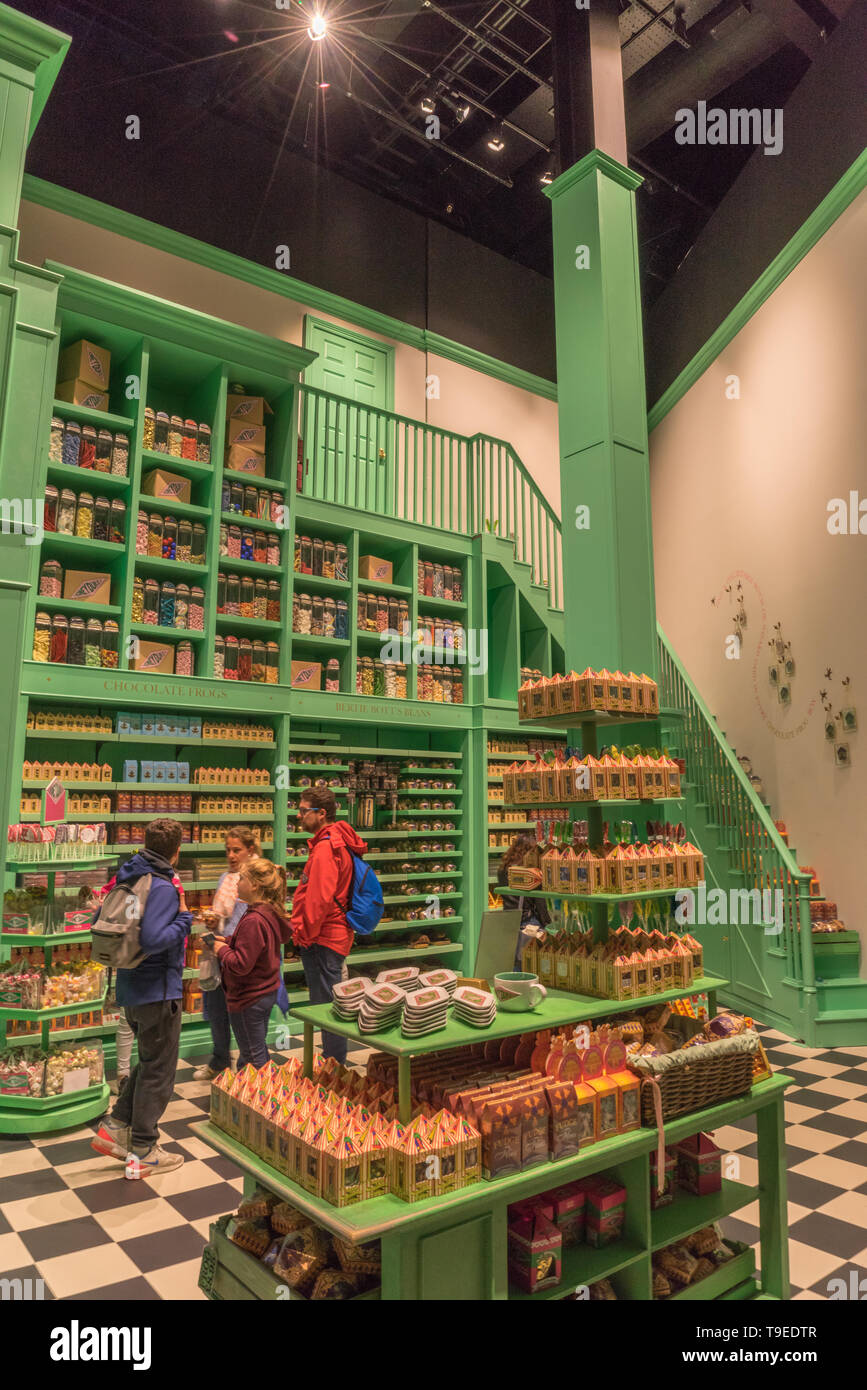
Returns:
(792,21)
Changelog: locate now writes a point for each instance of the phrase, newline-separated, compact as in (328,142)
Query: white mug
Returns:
(517,991)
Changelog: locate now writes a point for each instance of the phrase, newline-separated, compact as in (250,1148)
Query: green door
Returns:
(348,433)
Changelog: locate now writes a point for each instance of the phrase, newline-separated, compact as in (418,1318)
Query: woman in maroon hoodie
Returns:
(250,958)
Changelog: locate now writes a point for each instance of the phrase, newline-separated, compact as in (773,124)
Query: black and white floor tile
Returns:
(69,1218)
(826,1143)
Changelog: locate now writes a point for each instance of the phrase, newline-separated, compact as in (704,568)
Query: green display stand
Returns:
(39,1114)
(454,1247)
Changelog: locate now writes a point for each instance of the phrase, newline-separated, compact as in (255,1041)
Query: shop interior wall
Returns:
(741,489)
(468,401)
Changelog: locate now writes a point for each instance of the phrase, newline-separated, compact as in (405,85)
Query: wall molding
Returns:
(844,192)
(134,228)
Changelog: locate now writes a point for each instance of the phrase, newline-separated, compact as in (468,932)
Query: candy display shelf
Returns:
(36,1114)
(555,1011)
(454,1247)
(84,1006)
(599,718)
(349,747)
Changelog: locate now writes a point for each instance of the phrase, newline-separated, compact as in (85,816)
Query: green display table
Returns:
(455,1247)
(555,1011)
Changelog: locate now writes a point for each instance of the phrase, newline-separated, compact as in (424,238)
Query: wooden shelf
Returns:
(260,568)
(82,610)
(187,468)
(179,634)
(87,480)
(250,523)
(171,569)
(254,480)
(103,419)
(174,508)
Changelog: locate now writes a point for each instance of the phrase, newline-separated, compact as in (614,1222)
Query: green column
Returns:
(605,489)
(30,56)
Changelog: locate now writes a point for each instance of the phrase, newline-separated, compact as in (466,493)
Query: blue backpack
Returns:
(364,903)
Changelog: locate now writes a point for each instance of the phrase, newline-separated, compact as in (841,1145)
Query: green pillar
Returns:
(30,57)
(605,488)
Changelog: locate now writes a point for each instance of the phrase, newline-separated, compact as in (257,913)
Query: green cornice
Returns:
(593,161)
(154,317)
(126,224)
(817,224)
(36,48)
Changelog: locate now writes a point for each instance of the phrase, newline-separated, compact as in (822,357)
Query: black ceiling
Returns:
(190,68)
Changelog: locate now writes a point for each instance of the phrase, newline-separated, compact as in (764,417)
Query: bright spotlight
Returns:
(318,28)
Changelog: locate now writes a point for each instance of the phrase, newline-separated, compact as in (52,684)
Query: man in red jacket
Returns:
(319,926)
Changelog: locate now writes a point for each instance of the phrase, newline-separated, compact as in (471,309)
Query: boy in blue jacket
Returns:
(151,996)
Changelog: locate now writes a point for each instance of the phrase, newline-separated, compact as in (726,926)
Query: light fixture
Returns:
(323,86)
(546,178)
(458,105)
(318,28)
(496,141)
(428,104)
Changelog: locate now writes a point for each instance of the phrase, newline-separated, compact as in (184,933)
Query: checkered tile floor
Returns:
(67,1215)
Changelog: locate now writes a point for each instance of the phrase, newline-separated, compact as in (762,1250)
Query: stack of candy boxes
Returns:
(613,777)
(626,868)
(608,692)
(338,1137)
(630,964)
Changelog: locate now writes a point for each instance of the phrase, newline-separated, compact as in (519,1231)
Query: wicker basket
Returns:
(695,1078)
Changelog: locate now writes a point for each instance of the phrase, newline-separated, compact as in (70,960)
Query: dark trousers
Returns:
(215,1011)
(250,1027)
(157,1030)
(322,971)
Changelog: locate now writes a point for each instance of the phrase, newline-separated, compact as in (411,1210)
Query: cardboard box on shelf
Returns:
(78,392)
(306,675)
(87,586)
(87,362)
(372,567)
(247,434)
(157,658)
(250,409)
(240,458)
(160,483)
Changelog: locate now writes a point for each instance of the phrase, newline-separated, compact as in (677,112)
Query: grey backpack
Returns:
(116,933)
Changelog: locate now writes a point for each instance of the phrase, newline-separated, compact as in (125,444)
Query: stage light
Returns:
(318,28)
(428,104)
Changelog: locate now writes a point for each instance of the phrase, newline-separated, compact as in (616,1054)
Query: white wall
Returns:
(740,490)
(469,402)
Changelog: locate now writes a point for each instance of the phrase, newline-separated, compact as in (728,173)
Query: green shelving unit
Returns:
(41,1114)
(454,1247)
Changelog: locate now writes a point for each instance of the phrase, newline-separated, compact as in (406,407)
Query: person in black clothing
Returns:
(535,916)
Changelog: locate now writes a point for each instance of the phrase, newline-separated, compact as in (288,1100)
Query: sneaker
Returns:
(148,1165)
(111,1138)
(204,1073)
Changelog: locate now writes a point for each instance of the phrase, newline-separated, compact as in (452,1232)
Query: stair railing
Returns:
(746,828)
(357,455)
(508,503)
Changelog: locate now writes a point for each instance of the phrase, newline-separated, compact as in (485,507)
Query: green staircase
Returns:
(476,486)
(806,985)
